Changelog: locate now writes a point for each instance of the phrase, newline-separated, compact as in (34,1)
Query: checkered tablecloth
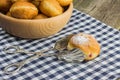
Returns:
(104,67)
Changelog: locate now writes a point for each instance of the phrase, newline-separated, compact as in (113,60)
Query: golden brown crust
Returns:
(37,0)
(40,16)
(13,1)
(8,14)
(23,10)
(87,43)
(64,2)
(50,8)
(5,5)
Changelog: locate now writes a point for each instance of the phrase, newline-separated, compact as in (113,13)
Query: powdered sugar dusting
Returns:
(79,39)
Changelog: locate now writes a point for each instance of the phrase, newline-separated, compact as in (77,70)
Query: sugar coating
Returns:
(79,39)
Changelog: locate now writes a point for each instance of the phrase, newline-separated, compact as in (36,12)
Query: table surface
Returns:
(105,67)
(107,11)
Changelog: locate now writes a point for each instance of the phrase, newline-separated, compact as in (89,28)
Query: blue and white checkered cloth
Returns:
(104,67)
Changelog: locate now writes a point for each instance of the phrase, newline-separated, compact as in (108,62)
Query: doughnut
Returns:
(23,10)
(50,8)
(64,2)
(40,16)
(13,1)
(5,5)
(86,43)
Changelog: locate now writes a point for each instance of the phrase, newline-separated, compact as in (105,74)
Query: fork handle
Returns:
(18,65)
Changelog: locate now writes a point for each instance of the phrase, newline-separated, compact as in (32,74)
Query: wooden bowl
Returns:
(35,28)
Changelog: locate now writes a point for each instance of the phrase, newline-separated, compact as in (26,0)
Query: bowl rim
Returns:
(27,20)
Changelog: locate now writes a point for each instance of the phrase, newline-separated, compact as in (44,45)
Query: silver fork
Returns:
(75,55)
